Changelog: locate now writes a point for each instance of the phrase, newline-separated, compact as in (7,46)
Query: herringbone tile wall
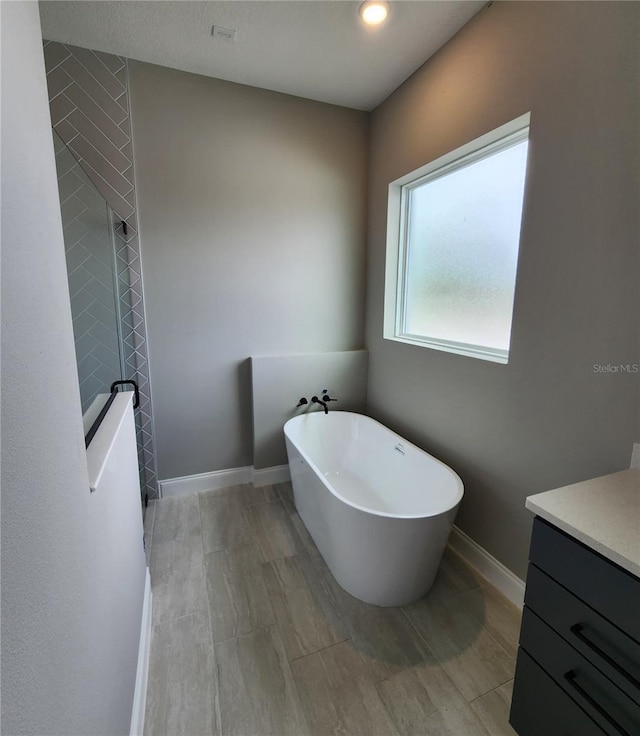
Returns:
(89,104)
(90,267)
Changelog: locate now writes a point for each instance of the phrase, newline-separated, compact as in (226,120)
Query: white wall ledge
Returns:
(101,445)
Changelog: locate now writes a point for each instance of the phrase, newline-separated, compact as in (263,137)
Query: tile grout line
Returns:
(443,663)
(96,80)
(493,690)
(216,705)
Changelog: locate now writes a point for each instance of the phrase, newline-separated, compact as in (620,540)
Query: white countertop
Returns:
(603,513)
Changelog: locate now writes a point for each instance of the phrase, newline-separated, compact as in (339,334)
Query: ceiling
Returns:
(316,49)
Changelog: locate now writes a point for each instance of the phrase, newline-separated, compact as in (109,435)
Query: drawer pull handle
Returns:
(570,677)
(578,631)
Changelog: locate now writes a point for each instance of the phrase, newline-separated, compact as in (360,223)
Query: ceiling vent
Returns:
(228,35)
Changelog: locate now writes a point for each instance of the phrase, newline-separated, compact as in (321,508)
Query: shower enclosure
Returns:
(98,282)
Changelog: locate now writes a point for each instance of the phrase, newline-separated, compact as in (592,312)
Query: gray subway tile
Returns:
(98,71)
(97,115)
(93,89)
(60,107)
(57,81)
(100,164)
(119,205)
(99,140)
(54,54)
(112,62)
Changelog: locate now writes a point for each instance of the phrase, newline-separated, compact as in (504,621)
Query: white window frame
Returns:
(397,216)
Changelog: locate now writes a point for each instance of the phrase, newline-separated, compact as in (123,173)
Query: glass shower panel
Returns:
(89,244)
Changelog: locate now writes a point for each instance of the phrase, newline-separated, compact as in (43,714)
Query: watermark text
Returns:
(616,368)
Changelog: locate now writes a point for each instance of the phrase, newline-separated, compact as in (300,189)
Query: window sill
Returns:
(469,351)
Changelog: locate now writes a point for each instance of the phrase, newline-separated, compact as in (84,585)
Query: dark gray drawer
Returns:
(540,708)
(598,640)
(614,711)
(604,586)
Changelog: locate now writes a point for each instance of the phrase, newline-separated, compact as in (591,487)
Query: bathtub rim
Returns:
(340,497)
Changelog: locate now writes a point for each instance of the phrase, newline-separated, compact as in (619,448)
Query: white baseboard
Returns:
(267,476)
(142,673)
(222,479)
(205,482)
(494,571)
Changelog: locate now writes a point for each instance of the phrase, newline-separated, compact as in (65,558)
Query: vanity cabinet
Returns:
(578,666)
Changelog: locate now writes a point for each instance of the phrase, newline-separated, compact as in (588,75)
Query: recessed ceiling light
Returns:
(374,12)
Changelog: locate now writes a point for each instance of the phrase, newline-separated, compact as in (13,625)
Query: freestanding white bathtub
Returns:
(379,508)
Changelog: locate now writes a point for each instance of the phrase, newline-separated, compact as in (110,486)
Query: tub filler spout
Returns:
(316,400)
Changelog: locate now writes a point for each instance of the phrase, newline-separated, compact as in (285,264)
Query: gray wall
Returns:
(251,208)
(278,382)
(546,419)
(70,619)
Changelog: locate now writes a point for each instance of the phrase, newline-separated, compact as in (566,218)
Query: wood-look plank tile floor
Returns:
(252,636)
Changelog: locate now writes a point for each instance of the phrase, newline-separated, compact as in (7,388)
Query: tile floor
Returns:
(253,637)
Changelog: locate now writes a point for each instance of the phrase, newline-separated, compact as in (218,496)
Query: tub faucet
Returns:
(316,400)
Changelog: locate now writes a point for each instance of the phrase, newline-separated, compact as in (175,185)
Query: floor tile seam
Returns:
(444,664)
(206,554)
(384,702)
(480,621)
(392,720)
(263,502)
(418,632)
(321,649)
(232,547)
(298,689)
(517,622)
(497,643)
(225,497)
(501,647)
(152,506)
(178,538)
(271,595)
(153,525)
(325,649)
(244,633)
(216,704)
(502,597)
(282,557)
(164,621)
(493,690)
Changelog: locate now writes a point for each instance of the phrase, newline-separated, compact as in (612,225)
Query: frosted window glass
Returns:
(462,238)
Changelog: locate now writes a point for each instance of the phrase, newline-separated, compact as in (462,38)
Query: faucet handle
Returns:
(325,395)
(302,402)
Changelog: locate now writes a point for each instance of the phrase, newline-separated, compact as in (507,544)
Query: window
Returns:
(452,247)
